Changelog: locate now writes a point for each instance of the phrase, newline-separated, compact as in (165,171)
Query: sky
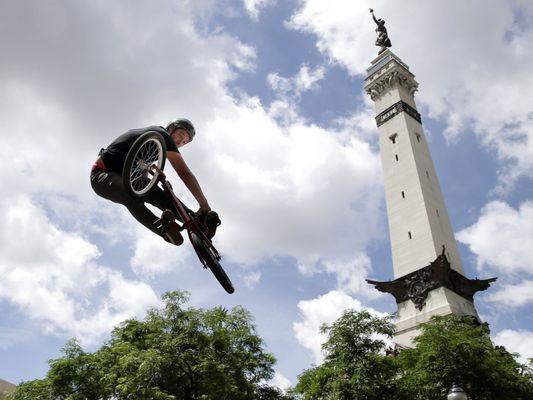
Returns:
(286,151)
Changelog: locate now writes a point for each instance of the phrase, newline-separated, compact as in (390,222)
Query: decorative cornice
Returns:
(417,285)
(390,75)
(382,60)
(395,109)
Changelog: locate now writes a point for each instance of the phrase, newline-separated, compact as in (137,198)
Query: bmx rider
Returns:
(106,181)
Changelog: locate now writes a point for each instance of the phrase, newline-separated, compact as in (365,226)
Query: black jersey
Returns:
(115,154)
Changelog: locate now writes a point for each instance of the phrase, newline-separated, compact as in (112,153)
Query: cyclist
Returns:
(106,181)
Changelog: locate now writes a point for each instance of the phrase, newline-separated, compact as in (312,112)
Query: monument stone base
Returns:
(440,301)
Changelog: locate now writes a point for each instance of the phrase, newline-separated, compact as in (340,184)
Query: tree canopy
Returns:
(354,367)
(459,350)
(186,353)
(174,353)
(449,350)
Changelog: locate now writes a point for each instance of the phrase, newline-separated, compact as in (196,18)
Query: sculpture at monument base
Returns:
(417,285)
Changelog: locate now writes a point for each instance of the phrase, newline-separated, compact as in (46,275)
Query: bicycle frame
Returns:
(194,230)
(185,217)
(188,223)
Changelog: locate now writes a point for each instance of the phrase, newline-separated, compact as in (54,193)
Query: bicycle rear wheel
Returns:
(149,149)
(210,259)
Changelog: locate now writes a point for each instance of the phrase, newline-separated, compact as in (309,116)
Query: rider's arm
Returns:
(188,178)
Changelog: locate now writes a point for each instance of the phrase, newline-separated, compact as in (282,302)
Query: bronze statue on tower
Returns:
(382,40)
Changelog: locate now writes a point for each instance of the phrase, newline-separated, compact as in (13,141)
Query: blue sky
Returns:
(286,151)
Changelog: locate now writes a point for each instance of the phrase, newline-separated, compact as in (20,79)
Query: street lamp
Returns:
(457,393)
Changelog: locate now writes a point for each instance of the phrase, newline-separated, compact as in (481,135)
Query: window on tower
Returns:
(410,236)
(396,157)
(393,138)
(403,194)
(417,137)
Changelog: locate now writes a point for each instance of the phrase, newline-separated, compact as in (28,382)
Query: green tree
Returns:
(448,350)
(38,389)
(355,366)
(175,353)
(458,350)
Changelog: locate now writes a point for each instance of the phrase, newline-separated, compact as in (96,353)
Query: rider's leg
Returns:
(109,185)
(158,198)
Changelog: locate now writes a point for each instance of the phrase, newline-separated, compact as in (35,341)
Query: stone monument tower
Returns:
(429,276)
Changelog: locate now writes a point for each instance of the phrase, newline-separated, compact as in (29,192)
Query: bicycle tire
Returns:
(209,260)
(139,185)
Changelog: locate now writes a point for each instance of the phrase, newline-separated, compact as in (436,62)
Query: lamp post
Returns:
(457,393)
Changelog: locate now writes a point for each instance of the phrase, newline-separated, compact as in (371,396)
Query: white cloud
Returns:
(351,273)
(519,341)
(514,295)
(502,238)
(253,6)
(285,108)
(270,183)
(153,256)
(251,279)
(285,112)
(283,191)
(52,275)
(360,124)
(465,72)
(303,81)
(47,110)
(280,381)
(53,122)
(307,79)
(325,309)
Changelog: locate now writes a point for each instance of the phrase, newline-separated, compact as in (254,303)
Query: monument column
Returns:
(429,276)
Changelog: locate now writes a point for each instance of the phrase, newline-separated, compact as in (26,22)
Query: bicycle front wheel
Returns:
(149,149)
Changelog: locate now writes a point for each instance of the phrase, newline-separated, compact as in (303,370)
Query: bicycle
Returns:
(143,169)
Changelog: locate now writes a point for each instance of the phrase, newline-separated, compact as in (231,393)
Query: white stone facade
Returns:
(418,220)
(441,301)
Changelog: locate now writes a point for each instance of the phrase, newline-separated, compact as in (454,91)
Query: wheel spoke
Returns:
(151,161)
(134,175)
(148,149)
(143,151)
(137,178)
(139,186)
(154,156)
(153,153)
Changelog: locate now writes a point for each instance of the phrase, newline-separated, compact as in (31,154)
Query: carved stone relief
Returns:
(388,79)
(417,285)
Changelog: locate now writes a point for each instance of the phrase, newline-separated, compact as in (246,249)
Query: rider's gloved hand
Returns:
(210,220)
(204,209)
